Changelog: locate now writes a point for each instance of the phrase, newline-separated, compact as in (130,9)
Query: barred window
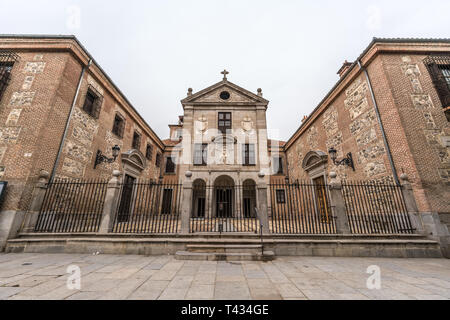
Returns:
(93,102)
(149,152)
(248,155)
(136,140)
(158,160)
(281,196)
(119,125)
(170,165)
(200,154)
(278,165)
(7,60)
(439,69)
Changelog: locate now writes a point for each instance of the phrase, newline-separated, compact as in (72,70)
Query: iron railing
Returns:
(72,206)
(145,206)
(376,208)
(224,209)
(300,208)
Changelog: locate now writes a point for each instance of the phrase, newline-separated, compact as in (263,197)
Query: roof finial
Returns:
(225,72)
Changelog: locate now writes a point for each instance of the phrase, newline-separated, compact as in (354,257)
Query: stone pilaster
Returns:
(186,203)
(111,202)
(338,205)
(411,205)
(36,203)
(262,204)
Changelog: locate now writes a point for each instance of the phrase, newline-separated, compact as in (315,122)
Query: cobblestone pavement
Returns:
(44,276)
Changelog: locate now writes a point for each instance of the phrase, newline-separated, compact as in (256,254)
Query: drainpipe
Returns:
(383,133)
(61,145)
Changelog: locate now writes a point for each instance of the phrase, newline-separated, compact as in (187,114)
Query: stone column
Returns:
(411,205)
(262,203)
(110,205)
(186,203)
(338,205)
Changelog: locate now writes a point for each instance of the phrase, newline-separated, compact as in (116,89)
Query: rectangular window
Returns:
(248,155)
(278,165)
(281,196)
(170,165)
(200,154)
(439,69)
(118,126)
(158,160)
(166,207)
(224,124)
(136,140)
(149,152)
(7,60)
(93,102)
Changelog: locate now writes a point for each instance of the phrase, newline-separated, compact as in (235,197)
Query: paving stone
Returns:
(162,277)
(260,284)
(231,291)
(204,278)
(197,292)
(289,290)
(264,294)
(6,292)
(173,294)
(85,295)
(149,290)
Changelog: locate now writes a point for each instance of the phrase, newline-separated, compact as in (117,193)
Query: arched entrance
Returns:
(224,197)
(249,198)
(199,199)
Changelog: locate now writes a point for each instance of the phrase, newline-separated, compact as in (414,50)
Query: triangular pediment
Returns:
(212,95)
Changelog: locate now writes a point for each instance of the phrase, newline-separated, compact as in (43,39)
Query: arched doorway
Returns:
(248,198)
(224,197)
(199,199)
(133,163)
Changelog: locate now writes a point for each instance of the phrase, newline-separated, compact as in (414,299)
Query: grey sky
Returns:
(155,50)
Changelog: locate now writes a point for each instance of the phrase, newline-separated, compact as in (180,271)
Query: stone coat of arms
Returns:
(201,125)
(247,124)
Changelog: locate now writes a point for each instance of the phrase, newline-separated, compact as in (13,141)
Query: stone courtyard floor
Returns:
(44,276)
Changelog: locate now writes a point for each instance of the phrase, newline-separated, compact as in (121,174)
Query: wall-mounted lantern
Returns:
(100,158)
(347,161)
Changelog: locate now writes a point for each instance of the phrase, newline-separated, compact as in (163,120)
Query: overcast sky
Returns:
(155,50)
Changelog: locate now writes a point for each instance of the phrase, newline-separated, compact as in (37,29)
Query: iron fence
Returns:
(148,207)
(72,206)
(375,208)
(224,209)
(300,208)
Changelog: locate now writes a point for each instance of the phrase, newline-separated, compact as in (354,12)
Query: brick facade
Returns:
(35,107)
(411,113)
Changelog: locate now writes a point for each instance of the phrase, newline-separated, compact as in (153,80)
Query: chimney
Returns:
(344,68)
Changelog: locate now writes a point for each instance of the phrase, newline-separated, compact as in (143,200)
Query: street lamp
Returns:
(100,158)
(347,161)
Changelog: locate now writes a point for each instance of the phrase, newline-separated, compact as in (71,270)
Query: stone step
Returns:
(229,256)
(224,248)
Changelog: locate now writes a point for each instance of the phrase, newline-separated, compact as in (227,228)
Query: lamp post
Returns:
(347,161)
(100,158)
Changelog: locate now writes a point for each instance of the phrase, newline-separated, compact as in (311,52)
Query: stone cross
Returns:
(225,72)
